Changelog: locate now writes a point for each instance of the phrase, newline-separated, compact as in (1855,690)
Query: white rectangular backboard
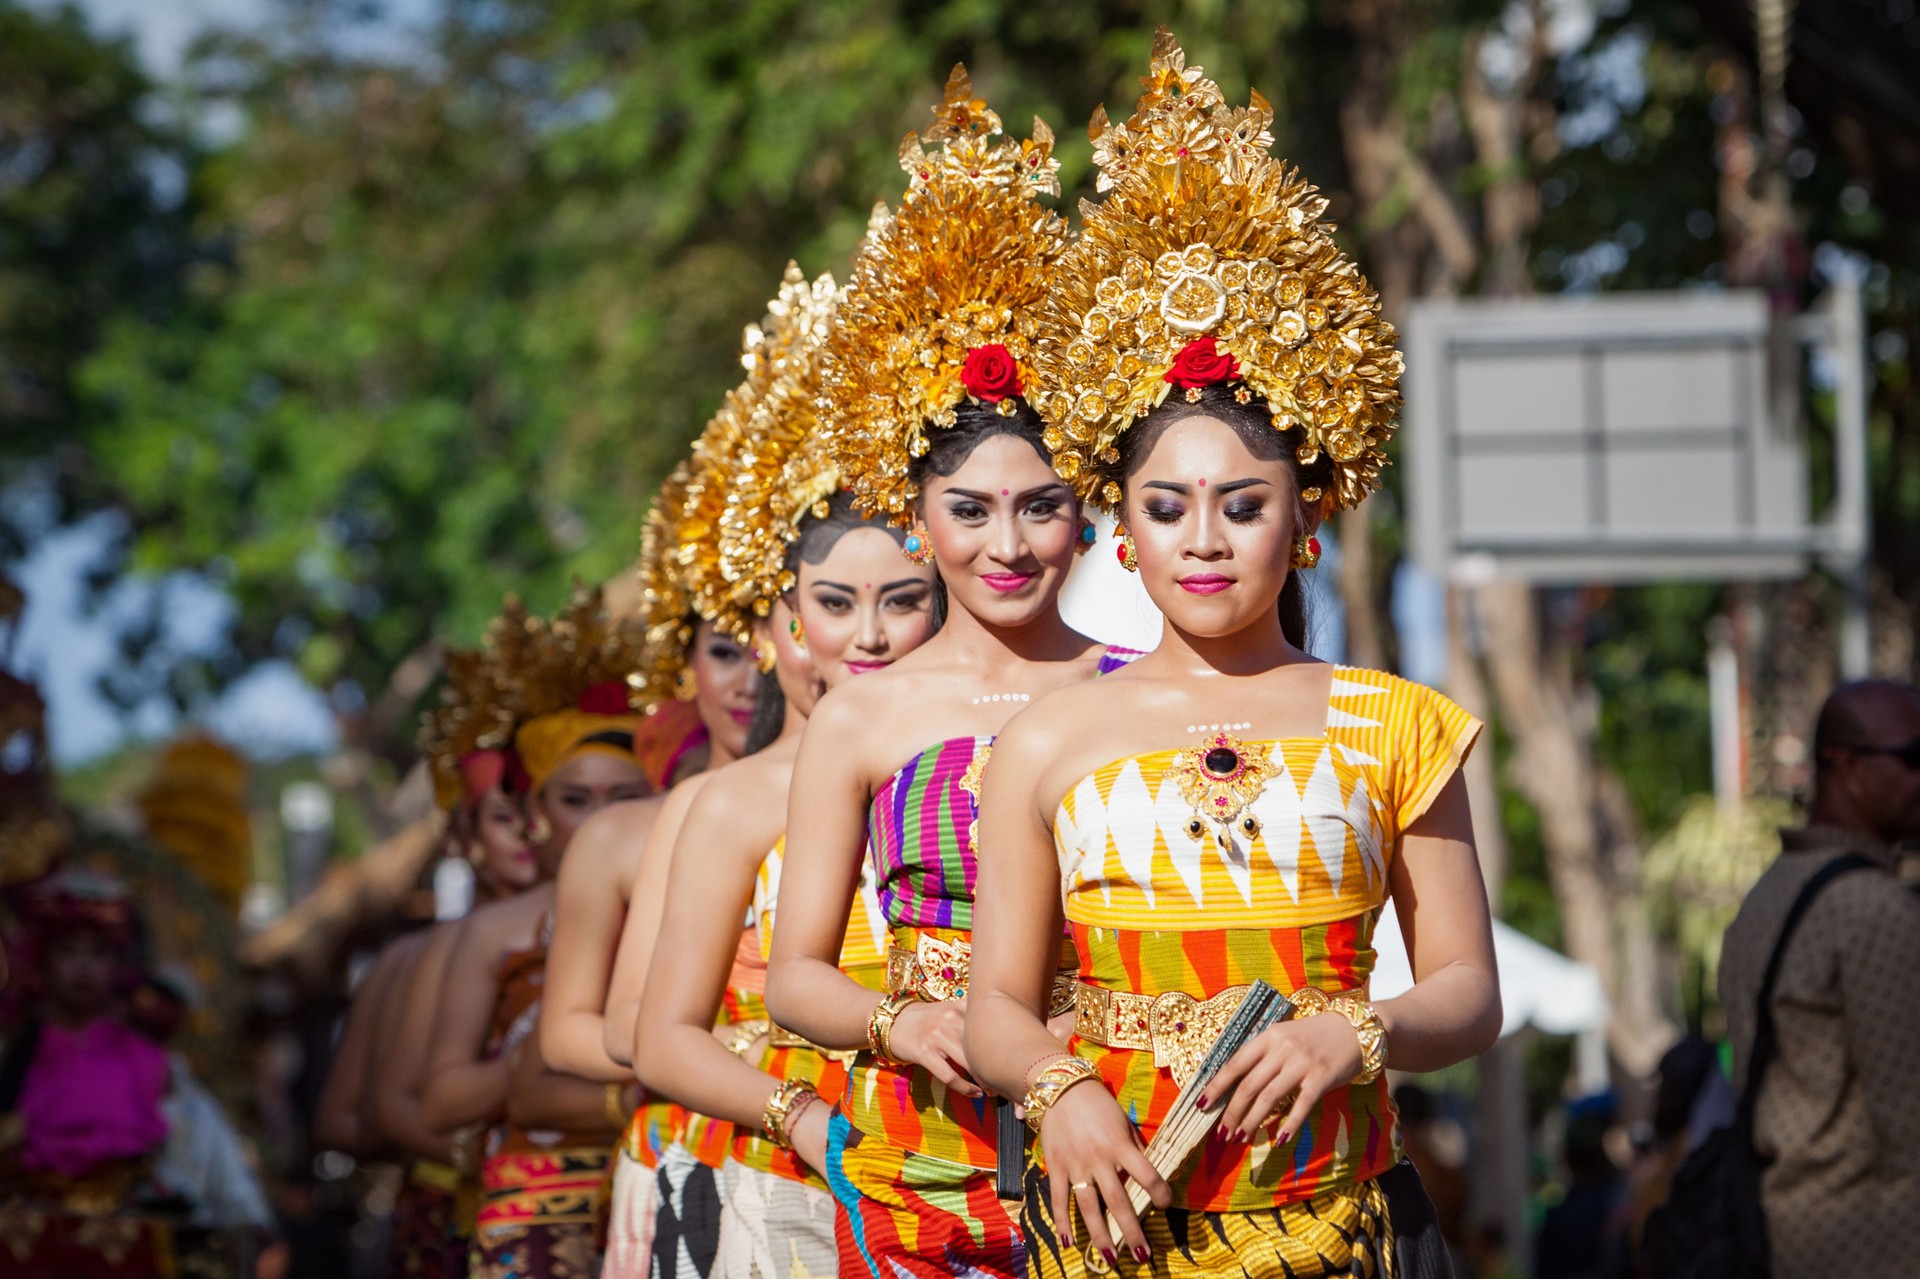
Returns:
(1623,437)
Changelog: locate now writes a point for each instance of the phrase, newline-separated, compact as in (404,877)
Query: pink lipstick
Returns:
(1205,583)
(1006,583)
(866,668)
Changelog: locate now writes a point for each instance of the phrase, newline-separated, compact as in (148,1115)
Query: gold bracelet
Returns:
(787,1099)
(1372,1031)
(1051,1084)
(880,1025)
(745,1034)
(613,1101)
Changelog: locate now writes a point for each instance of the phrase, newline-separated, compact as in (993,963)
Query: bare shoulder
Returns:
(603,851)
(503,923)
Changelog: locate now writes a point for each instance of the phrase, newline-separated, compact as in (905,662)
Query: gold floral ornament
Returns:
(546,666)
(781,468)
(1208,263)
(940,306)
(666,606)
(475,710)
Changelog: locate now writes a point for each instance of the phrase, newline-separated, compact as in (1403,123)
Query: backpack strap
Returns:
(1764,1033)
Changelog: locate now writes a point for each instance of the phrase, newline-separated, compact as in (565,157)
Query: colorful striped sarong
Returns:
(906,1214)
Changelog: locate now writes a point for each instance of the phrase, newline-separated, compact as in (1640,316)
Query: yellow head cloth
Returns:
(1205,235)
(947,282)
(547,742)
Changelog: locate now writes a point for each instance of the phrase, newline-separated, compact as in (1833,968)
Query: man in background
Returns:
(1837,1120)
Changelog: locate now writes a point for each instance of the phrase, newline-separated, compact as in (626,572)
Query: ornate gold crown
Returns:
(1204,234)
(475,711)
(957,269)
(782,468)
(665,601)
(546,666)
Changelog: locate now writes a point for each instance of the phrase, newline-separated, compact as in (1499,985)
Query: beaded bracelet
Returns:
(788,1100)
(880,1025)
(1372,1031)
(1051,1084)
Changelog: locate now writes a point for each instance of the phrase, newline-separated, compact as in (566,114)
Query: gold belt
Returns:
(438,1176)
(1179,1029)
(780,1037)
(937,970)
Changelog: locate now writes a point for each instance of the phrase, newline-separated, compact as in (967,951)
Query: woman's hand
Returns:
(1296,1062)
(1092,1151)
(808,1134)
(928,1035)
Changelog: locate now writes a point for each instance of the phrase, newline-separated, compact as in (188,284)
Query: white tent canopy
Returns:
(1539,987)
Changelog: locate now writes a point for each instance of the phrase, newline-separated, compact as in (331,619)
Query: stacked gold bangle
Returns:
(788,1100)
(614,1103)
(1372,1031)
(880,1025)
(1051,1084)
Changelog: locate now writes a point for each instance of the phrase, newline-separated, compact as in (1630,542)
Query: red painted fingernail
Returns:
(1142,1254)
(1203,1101)
(1242,1135)
(1110,1255)
(1285,1137)
(1223,1134)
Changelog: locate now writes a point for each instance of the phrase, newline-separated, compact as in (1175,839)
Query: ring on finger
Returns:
(1081,1185)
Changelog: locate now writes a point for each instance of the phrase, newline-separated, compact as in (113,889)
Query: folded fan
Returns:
(1186,1125)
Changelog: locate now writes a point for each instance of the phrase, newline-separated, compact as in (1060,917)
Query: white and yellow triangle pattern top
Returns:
(1329,821)
(866,941)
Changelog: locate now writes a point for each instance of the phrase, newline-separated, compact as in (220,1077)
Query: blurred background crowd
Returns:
(326,323)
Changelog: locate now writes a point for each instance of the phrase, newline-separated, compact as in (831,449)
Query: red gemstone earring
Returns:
(1306,551)
(1128,559)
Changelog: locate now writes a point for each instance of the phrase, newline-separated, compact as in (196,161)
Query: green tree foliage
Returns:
(87,232)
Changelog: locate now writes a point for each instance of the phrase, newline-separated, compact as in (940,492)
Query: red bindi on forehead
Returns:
(1005,493)
(1203,481)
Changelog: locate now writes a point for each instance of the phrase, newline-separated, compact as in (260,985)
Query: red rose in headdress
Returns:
(1201,362)
(991,373)
(609,697)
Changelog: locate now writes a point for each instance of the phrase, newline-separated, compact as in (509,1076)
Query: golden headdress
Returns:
(782,468)
(568,680)
(939,305)
(475,713)
(1208,262)
(665,602)
(195,807)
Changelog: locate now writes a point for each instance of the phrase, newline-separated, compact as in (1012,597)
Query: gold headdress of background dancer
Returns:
(939,306)
(1208,263)
(560,685)
(777,468)
(467,735)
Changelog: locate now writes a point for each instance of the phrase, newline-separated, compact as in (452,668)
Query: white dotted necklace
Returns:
(1219,728)
(1001,697)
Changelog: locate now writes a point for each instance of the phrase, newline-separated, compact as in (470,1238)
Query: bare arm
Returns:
(405,1035)
(343,1119)
(540,1097)
(715,861)
(462,1084)
(826,838)
(654,861)
(589,907)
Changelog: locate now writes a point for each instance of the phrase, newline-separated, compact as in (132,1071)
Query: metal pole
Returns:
(1852,508)
(1723,717)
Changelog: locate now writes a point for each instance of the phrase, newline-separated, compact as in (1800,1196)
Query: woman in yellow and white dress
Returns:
(829,596)
(1228,808)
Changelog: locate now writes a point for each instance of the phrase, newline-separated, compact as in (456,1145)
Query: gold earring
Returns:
(1128,559)
(1085,536)
(1306,551)
(918,547)
(539,829)
(798,631)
